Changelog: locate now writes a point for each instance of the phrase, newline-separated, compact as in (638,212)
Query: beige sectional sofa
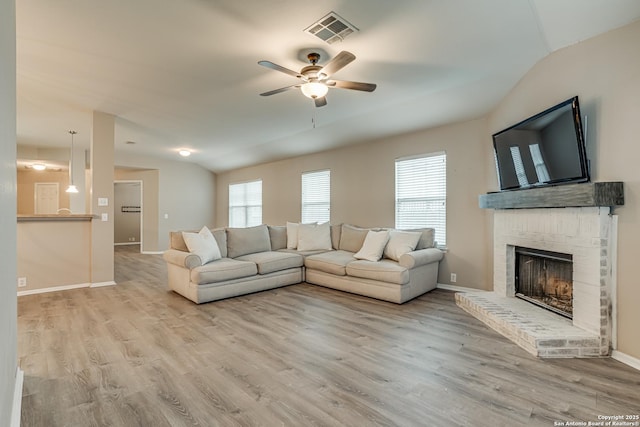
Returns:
(260,258)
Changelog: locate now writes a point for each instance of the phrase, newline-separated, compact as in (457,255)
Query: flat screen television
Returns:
(546,149)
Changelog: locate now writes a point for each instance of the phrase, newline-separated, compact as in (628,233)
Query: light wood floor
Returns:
(138,355)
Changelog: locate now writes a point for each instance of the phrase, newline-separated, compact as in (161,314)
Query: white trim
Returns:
(458,288)
(126,243)
(613,297)
(419,156)
(101,284)
(16,410)
(152,252)
(54,289)
(626,359)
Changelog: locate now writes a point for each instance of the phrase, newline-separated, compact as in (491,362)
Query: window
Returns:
(316,196)
(245,204)
(421,194)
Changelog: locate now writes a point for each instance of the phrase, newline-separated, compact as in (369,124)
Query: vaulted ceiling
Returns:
(184,74)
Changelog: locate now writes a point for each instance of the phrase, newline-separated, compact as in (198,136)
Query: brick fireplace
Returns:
(588,236)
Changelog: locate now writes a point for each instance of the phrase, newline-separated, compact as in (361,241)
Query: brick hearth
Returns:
(588,234)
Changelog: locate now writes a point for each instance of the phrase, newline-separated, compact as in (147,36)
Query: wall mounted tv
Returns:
(546,149)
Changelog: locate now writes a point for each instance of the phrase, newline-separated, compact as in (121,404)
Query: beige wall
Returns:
(26,188)
(54,253)
(8,299)
(185,192)
(102,177)
(363,189)
(605,73)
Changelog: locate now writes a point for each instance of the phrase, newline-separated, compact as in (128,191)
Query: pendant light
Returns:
(72,188)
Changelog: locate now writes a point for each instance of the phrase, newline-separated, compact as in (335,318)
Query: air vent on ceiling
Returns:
(331,28)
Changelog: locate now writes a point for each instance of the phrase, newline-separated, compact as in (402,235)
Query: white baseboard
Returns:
(626,359)
(152,252)
(16,410)
(458,288)
(54,289)
(126,243)
(101,284)
(66,288)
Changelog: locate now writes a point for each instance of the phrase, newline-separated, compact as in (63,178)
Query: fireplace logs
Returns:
(546,279)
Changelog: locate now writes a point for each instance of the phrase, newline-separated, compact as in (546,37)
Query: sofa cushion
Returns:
(401,242)
(292,235)
(384,270)
(352,238)
(314,237)
(278,237)
(202,244)
(250,240)
(427,238)
(373,245)
(176,241)
(220,235)
(333,262)
(268,262)
(336,231)
(222,270)
(302,253)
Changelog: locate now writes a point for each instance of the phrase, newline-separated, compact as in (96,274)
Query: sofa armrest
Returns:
(182,258)
(420,257)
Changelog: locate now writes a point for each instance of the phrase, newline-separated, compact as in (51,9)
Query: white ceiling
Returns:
(184,74)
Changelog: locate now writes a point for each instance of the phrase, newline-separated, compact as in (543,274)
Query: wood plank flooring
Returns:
(137,354)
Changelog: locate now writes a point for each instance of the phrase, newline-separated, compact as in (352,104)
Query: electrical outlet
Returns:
(22,282)
(454,277)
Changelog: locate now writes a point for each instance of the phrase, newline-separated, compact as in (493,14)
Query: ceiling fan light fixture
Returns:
(39,166)
(71,189)
(314,90)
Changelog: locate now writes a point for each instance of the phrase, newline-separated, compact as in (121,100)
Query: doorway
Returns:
(127,215)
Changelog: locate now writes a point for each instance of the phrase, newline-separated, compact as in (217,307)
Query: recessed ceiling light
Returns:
(39,166)
(184,153)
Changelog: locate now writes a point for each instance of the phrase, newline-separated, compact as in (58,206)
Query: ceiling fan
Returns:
(316,79)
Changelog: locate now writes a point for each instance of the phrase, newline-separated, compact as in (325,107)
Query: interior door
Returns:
(46,194)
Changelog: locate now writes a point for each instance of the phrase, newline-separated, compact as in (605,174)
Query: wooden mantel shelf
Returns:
(588,194)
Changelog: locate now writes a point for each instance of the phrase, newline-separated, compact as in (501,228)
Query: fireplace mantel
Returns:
(588,194)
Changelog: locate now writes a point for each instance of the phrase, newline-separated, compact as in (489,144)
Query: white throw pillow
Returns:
(202,244)
(292,235)
(373,245)
(401,242)
(312,237)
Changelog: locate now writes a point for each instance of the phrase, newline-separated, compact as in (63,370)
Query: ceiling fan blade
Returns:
(320,102)
(336,64)
(282,89)
(365,87)
(280,68)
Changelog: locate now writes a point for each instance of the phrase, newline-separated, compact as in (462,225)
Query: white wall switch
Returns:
(166,216)
(22,282)
(105,217)
(103,201)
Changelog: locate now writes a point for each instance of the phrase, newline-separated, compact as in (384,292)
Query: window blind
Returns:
(316,196)
(245,204)
(421,194)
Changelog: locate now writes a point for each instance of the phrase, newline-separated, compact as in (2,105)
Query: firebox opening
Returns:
(545,278)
